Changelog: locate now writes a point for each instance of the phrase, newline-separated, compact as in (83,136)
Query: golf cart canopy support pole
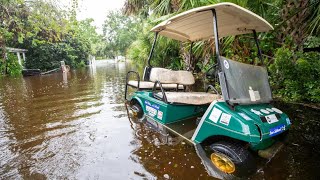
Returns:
(153,45)
(216,39)
(216,36)
(257,43)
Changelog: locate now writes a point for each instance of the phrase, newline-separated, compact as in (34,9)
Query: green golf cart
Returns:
(227,128)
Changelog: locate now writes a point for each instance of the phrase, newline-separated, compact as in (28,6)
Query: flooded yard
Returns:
(76,126)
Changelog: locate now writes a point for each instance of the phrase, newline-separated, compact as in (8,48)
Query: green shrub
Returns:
(82,64)
(46,56)
(13,66)
(295,76)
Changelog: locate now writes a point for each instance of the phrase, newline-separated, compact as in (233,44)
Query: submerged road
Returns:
(76,126)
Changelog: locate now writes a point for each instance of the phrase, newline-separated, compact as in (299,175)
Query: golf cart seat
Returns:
(143,85)
(194,98)
(156,72)
(163,76)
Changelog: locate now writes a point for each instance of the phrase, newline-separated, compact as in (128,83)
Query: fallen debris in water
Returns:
(139,174)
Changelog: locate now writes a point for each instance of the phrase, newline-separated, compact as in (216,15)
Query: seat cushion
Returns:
(195,98)
(149,85)
(170,76)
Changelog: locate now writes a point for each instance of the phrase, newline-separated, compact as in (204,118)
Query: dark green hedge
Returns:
(295,76)
(47,56)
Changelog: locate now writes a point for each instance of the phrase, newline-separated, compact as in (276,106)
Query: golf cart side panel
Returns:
(243,124)
(166,113)
(222,121)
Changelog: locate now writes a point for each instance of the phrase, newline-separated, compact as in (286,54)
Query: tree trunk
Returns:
(3,54)
(186,57)
(294,16)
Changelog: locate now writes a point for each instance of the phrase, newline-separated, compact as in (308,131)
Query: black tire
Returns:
(137,109)
(242,159)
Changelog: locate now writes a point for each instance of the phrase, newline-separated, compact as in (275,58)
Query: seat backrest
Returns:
(167,76)
(185,78)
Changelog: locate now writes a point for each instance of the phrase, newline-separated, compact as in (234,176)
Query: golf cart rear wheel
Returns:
(137,110)
(232,158)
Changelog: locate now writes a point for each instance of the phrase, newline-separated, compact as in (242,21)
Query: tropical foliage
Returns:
(13,67)
(296,75)
(119,32)
(293,68)
(52,34)
(49,33)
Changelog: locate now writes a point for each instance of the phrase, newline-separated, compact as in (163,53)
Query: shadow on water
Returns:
(75,126)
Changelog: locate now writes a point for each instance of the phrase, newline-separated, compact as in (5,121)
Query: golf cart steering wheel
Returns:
(212,88)
(212,72)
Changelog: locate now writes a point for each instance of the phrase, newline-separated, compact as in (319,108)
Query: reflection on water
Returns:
(75,125)
(67,125)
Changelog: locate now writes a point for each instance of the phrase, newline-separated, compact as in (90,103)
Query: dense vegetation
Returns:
(52,34)
(49,33)
(119,32)
(291,51)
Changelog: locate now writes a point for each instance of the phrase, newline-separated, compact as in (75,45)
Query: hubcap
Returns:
(134,111)
(135,114)
(223,163)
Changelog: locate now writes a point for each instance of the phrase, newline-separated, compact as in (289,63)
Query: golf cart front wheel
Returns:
(232,158)
(137,110)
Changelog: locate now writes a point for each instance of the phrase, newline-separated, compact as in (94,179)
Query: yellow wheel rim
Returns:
(135,114)
(223,163)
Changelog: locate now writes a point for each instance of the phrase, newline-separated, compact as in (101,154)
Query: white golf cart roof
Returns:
(197,24)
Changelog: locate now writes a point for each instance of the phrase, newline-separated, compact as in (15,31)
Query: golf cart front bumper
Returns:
(269,147)
(271,151)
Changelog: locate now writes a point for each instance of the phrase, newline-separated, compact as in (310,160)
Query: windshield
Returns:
(245,83)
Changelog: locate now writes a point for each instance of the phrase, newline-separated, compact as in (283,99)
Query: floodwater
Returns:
(76,126)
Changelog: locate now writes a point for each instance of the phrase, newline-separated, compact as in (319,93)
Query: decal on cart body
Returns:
(225,119)
(156,106)
(245,129)
(245,116)
(160,114)
(226,64)
(271,118)
(277,130)
(151,111)
(147,103)
(288,121)
(215,115)
(264,111)
(270,110)
(256,112)
(277,110)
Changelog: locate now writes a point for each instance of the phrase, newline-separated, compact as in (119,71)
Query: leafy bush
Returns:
(81,64)
(12,66)
(47,56)
(166,52)
(295,76)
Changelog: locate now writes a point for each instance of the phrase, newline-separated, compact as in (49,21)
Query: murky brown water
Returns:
(75,126)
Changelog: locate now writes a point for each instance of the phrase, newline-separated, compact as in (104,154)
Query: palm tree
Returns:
(296,19)
(314,25)
(136,7)
(300,19)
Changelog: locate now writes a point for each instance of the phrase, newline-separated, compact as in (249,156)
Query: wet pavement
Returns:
(76,126)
